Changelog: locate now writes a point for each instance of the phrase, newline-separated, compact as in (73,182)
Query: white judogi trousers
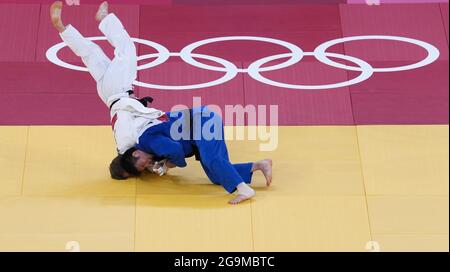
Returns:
(114,78)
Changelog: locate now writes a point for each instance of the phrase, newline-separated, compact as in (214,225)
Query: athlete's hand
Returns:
(160,168)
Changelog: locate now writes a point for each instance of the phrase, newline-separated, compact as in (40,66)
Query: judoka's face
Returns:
(143,160)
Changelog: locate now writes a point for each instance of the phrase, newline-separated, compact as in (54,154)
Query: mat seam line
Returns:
(443,24)
(24,162)
(366,197)
(75,195)
(37,32)
(136,179)
(247,124)
(347,71)
(243,92)
(138,50)
(366,201)
(135,215)
(412,233)
(251,223)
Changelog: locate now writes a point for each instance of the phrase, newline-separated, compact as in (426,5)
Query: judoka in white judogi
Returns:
(114,79)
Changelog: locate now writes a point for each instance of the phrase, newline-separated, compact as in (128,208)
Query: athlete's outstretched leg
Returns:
(122,71)
(90,53)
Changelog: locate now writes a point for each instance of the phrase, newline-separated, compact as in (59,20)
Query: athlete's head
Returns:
(116,170)
(134,161)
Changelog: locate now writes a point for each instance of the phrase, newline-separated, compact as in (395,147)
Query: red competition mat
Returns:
(47,94)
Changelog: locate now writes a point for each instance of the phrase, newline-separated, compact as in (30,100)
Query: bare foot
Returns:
(55,16)
(266,167)
(238,199)
(102,11)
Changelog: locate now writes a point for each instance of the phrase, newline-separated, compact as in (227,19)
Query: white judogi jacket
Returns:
(129,119)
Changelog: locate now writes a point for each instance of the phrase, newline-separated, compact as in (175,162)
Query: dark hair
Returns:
(116,170)
(127,162)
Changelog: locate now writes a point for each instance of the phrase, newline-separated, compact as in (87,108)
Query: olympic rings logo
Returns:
(255,69)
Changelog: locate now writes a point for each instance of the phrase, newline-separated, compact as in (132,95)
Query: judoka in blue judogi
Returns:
(197,132)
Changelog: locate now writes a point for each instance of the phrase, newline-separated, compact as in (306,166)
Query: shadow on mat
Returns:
(183,192)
